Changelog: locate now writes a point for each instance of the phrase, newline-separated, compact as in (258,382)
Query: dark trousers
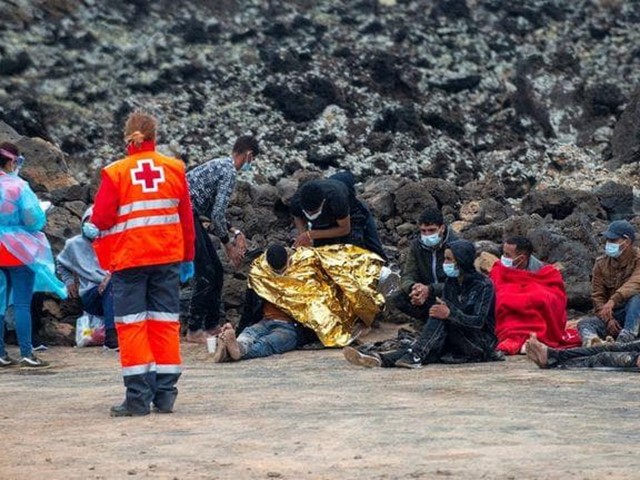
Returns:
(440,341)
(206,299)
(99,304)
(607,355)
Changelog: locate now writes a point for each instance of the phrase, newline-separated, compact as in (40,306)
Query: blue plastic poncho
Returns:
(21,219)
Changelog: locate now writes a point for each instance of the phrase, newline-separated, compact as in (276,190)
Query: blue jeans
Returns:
(268,337)
(100,305)
(20,281)
(627,315)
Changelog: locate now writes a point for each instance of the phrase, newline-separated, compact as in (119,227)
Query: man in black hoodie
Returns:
(423,277)
(460,327)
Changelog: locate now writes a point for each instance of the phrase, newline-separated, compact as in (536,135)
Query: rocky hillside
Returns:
(514,117)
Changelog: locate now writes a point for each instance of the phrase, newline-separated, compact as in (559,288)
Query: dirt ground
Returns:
(310,414)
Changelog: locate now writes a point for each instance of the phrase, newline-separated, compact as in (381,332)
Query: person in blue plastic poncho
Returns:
(26,262)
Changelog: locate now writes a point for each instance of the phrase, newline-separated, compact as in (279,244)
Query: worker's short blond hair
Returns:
(140,126)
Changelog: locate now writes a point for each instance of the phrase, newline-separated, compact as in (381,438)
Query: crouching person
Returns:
(460,327)
(77,265)
(274,333)
(615,289)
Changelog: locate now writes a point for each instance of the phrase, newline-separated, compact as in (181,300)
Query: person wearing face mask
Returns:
(78,267)
(460,326)
(530,299)
(327,212)
(273,333)
(26,262)
(143,211)
(423,276)
(211,185)
(615,289)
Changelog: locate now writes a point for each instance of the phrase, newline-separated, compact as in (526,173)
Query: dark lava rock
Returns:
(616,199)
(626,134)
(305,100)
(324,160)
(453,9)
(15,65)
(560,203)
(604,98)
(401,119)
(411,199)
(457,84)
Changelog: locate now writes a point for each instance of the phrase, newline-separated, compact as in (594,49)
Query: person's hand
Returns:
(419,294)
(233,254)
(104,283)
(606,311)
(303,240)
(186,271)
(613,327)
(72,288)
(439,310)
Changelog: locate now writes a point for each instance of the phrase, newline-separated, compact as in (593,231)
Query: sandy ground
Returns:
(310,414)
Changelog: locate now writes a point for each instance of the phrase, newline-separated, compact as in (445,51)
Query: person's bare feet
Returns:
(221,354)
(537,351)
(233,347)
(198,336)
(212,332)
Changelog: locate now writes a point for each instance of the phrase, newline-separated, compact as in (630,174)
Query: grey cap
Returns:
(620,229)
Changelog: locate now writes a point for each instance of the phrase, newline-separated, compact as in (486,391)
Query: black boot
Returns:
(110,339)
(166,392)
(137,399)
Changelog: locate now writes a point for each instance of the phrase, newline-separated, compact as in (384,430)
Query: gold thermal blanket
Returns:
(326,289)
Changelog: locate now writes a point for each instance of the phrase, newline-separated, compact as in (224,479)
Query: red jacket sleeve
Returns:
(186,220)
(105,207)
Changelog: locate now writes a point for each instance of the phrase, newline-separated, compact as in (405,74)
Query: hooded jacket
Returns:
(472,305)
(424,265)
(78,259)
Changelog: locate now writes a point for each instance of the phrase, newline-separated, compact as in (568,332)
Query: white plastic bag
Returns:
(89,331)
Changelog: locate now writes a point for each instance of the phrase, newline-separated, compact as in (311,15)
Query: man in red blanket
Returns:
(530,298)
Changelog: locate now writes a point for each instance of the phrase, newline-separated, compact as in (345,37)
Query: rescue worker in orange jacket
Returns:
(146,240)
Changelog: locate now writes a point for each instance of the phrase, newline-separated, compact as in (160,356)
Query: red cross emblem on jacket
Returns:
(147,175)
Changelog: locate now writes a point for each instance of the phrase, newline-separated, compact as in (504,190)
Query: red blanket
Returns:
(531,302)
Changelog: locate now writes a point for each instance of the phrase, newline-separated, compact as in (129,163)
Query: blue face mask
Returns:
(612,250)
(451,270)
(246,167)
(506,261)
(430,240)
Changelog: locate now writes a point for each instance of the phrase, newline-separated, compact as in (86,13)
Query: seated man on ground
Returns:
(530,298)
(327,212)
(618,356)
(77,265)
(423,276)
(275,333)
(328,292)
(460,325)
(615,289)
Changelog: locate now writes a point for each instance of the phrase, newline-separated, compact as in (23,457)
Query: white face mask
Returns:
(314,216)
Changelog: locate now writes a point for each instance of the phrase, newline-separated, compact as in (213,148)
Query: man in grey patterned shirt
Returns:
(211,185)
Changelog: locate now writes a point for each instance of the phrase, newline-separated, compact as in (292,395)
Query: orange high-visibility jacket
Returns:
(143,211)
